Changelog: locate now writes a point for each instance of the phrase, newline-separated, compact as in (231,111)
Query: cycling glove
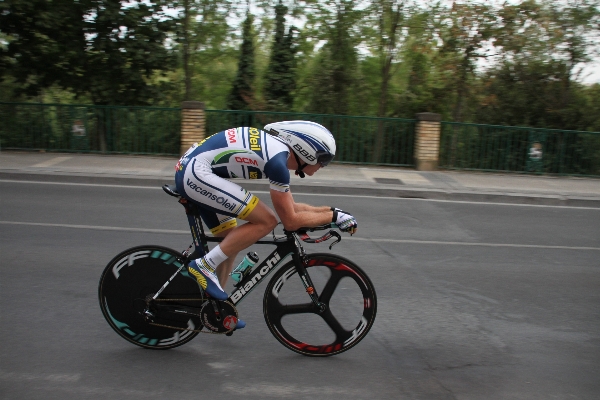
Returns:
(344,220)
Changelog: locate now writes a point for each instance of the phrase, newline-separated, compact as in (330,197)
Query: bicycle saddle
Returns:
(171,190)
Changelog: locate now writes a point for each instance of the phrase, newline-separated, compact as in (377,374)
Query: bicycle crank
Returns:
(219,316)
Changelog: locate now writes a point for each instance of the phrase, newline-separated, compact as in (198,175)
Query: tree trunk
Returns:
(461,91)
(387,48)
(379,138)
(186,51)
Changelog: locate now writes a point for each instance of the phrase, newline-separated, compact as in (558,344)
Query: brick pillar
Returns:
(192,124)
(427,142)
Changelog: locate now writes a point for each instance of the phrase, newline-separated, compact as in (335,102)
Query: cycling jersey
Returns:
(246,153)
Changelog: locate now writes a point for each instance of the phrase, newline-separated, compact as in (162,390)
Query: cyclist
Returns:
(252,153)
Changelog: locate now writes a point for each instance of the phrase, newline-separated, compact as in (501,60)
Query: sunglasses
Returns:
(323,158)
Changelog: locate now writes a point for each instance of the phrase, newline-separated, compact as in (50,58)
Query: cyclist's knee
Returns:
(268,222)
(263,218)
(271,222)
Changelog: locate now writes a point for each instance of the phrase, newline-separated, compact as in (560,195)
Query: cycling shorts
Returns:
(221,201)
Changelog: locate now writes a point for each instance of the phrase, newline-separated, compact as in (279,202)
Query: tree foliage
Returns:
(201,27)
(280,78)
(335,74)
(518,63)
(106,49)
(241,96)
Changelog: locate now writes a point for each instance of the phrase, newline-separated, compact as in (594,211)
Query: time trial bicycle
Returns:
(150,300)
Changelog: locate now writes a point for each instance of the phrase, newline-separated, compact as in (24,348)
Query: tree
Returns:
(105,48)
(466,34)
(573,29)
(125,48)
(45,43)
(201,24)
(280,79)
(540,47)
(242,96)
(335,75)
(591,111)
(389,15)
(388,21)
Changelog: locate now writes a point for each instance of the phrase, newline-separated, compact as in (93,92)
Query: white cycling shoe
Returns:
(207,279)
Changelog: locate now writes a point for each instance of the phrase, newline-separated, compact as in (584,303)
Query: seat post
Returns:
(194,220)
(196,228)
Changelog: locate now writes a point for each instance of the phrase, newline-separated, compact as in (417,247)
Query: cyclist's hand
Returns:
(339,209)
(344,221)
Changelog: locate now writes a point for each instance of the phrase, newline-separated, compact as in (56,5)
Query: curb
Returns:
(93,179)
(322,189)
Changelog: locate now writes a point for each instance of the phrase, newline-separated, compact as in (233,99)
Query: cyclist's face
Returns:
(311,169)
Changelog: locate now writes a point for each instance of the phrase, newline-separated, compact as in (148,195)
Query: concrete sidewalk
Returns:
(335,179)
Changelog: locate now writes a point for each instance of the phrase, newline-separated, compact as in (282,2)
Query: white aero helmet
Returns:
(310,141)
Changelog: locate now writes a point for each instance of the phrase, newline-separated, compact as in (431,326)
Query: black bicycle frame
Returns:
(285,246)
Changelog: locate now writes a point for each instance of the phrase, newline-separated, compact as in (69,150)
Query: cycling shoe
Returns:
(206,278)
(240,324)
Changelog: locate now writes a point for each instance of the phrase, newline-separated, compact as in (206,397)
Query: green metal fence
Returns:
(84,128)
(519,149)
(359,140)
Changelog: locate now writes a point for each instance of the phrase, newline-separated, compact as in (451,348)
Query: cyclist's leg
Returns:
(226,227)
(224,201)
(260,221)
(224,269)
(220,226)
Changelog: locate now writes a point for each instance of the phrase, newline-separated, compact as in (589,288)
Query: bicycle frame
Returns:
(290,245)
(180,309)
(284,248)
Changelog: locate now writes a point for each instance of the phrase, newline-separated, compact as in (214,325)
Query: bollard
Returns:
(427,141)
(192,124)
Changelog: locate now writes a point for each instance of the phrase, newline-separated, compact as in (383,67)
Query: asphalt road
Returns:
(476,301)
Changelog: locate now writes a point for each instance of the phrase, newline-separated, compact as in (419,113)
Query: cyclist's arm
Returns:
(299,207)
(294,216)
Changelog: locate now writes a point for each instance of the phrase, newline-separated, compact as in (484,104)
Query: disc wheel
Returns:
(350,306)
(126,287)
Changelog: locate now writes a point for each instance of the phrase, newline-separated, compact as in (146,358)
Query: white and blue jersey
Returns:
(246,153)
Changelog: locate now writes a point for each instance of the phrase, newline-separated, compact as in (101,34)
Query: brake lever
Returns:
(338,238)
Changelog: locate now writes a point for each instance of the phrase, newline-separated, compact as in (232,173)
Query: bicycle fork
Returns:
(300,259)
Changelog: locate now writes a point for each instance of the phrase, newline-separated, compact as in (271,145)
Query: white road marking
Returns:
(81,184)
(399,241)
(98,227)
(316,194)
(437,242)
(443,201)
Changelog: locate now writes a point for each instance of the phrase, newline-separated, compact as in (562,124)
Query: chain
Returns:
(198,315)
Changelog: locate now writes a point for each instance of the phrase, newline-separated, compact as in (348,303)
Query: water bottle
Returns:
(244,267)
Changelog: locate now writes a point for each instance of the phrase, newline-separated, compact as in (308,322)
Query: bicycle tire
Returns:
(345,338)
(133,275)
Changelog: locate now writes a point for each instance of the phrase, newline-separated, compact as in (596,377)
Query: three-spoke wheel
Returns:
(345,290)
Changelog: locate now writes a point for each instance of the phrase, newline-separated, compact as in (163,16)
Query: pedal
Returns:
(221,318)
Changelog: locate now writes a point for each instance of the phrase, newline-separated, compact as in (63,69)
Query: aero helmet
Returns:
(311,142)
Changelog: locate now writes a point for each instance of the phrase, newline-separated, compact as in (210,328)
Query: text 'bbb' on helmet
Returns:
(312,142)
